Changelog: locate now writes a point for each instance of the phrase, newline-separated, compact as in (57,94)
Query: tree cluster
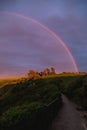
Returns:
(46,72)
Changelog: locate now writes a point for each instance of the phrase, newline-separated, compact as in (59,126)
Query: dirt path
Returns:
(68,118)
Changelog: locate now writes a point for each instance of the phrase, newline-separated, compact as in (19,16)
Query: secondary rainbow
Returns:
(48,30)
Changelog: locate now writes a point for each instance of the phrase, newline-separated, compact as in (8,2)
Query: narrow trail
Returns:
(68,118)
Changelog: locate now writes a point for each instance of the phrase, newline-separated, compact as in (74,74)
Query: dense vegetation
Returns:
(27,104)
(31,103)
(74,86)
(76,90)
(3,82)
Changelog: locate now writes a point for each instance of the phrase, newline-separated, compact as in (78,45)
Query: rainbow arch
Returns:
(48,30)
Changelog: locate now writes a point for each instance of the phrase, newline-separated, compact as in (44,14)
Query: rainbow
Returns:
(48,30)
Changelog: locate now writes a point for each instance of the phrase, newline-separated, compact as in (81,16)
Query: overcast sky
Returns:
(25,45)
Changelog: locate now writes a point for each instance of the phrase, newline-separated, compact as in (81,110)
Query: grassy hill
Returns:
(23,104)
(74,86)
(32,103)
(76,90)
(5,81)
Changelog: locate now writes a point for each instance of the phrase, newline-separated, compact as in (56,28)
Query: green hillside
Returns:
(76,90)
(21,103)
(33,103)
(3,81)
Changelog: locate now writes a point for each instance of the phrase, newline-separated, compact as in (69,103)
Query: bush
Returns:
(20,115)
(77,91)
(24,105)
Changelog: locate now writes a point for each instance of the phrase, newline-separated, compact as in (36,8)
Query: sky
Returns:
(25,45)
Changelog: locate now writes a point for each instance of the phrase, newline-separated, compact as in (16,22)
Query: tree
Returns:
(46,72)
(33,74)
(53,71)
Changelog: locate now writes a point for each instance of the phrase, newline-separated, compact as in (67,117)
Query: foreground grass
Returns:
(76,90)
(23,103)
(74,86)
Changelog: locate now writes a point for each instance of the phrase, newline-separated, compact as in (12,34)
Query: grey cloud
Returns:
(38,48)
(4,4)
(73,31)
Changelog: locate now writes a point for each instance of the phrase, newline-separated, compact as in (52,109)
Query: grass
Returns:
(64,76)
(8,81)
(76,90)
(24,99)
